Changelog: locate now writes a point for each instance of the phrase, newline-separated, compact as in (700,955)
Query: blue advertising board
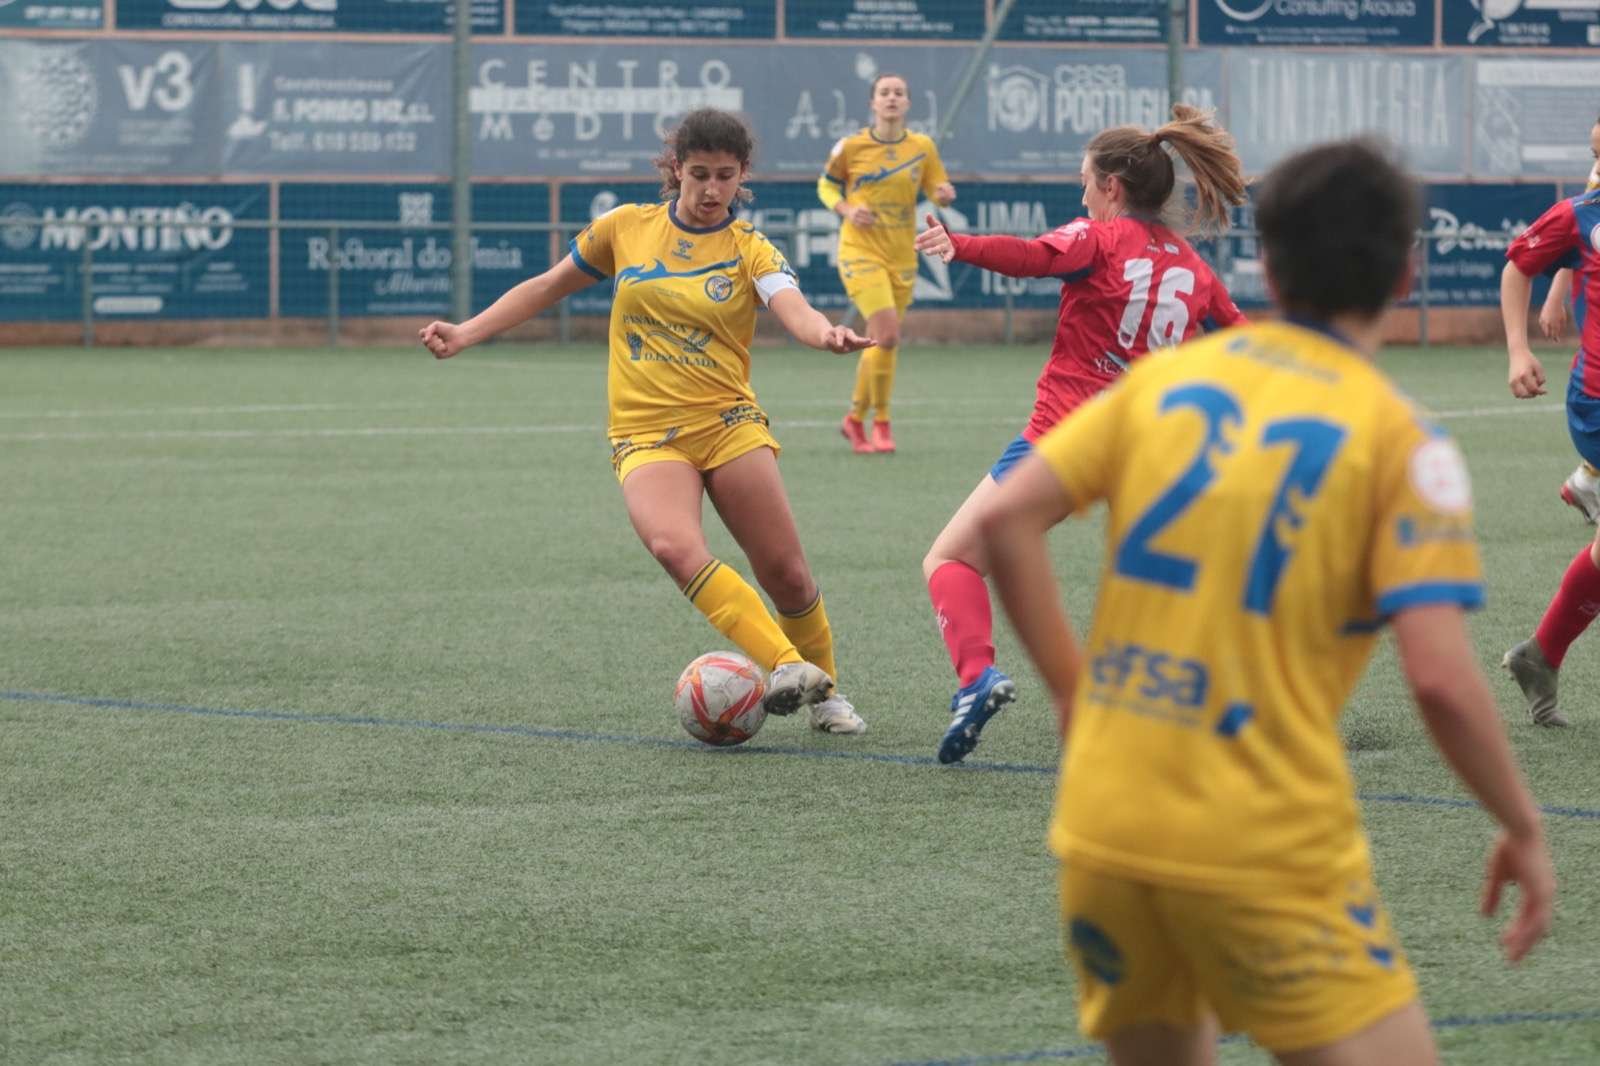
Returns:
(306,16)
(791,216)
(1521,23)
(52,14)
(157,251)
(1467,227)
(647,18)
(898,20)
(403,271)
(1291,23)
(1088,21)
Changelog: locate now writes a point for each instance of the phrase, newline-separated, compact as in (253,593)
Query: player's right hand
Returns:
(443,339)
(1526,863)
(935,240)
(1554,319)
(1527,376)
(857,215)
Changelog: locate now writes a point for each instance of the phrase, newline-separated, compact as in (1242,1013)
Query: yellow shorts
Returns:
(742,429)
(874,287)
(1293,970)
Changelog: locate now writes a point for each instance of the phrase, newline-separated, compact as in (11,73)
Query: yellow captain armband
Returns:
(829,192)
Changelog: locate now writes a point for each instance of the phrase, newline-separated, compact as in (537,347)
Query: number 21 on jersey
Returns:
(1314,443)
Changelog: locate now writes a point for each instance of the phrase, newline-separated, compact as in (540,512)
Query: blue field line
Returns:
(1085,1051)
(632,740)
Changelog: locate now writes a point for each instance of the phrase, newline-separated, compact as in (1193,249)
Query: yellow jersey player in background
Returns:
(686,277)
(873,180)
(1274,501)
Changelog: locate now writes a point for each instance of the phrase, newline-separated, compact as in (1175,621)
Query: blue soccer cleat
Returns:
(972,707)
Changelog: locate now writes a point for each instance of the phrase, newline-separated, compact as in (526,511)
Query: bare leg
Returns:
(1401,1038)
(663,501)
(748,493)
(1163,1044)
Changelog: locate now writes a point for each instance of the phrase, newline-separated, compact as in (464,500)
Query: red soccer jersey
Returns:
(1568,235)
(1127,286)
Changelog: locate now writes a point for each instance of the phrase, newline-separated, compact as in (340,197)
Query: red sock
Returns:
(961,606)
(1571,609)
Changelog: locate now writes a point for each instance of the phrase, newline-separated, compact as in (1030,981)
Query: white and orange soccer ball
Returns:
(719,698)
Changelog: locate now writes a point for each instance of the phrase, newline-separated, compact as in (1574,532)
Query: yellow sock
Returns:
(739,614)
(882,382)
(861,398)
(812,635)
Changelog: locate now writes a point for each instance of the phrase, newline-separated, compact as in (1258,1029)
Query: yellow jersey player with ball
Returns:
(1274,501)
(687,275)
(873,180)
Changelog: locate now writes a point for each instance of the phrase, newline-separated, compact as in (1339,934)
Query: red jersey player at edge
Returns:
(1273,501)
(684,422)
(1130,284)
(1561,237)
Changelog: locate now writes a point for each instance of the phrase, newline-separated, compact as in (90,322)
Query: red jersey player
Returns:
(1130,283)
(1564,236)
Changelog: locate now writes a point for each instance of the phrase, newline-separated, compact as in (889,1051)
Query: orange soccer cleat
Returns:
(855,431)
(882,439)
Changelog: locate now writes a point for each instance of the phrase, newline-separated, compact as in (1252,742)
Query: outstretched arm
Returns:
(1003,254)
(1459,711)
(811,327)
(520,303)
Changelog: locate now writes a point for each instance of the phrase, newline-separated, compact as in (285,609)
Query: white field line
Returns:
(1506,411)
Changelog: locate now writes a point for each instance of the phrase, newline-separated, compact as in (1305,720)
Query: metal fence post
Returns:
(1423,296)
(333,287)
(1010,331)
(563,312)
(87,267)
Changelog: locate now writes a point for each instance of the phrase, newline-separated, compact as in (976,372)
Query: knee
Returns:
(678,555)
(931,562)
(789,583)
(887,335)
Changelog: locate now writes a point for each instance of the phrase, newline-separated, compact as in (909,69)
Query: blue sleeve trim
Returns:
(583,264)
(1360,626)
(1467,594)
(1570,260)
(837,181)
(1075,276)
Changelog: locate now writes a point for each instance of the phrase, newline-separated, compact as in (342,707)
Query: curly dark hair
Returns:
(704,130)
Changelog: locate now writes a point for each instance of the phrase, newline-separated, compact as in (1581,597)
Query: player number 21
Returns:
(1171,316)
(1315,443)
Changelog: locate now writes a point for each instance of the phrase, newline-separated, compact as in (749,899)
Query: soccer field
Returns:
(336,726)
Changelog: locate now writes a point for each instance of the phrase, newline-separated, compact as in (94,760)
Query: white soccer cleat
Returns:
(1537,679)
(1582,493)
(794,685)
(837,715)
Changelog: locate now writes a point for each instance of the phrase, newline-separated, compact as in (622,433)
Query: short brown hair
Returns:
(704,130)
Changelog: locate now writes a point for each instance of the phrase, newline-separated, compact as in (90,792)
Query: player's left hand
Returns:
(1554,319)
(842,340)
(944,194)
(935,240)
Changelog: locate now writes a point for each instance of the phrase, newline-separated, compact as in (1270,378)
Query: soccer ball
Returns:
(719,698)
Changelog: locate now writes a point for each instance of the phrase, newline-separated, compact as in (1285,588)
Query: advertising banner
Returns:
(306,16)
(403,271)
(1294,23)
(791,216)
(1522,23)
(541,109)
(647,18)
(329,107)
(897,19)
(1533,116)
(1088,21)
(51,14)
(107,107)
(1467,246)
(1278,102)
(157,251)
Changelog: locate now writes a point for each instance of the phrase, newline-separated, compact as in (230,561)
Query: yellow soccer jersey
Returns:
(1273,500)
(888,177)
(683,312)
